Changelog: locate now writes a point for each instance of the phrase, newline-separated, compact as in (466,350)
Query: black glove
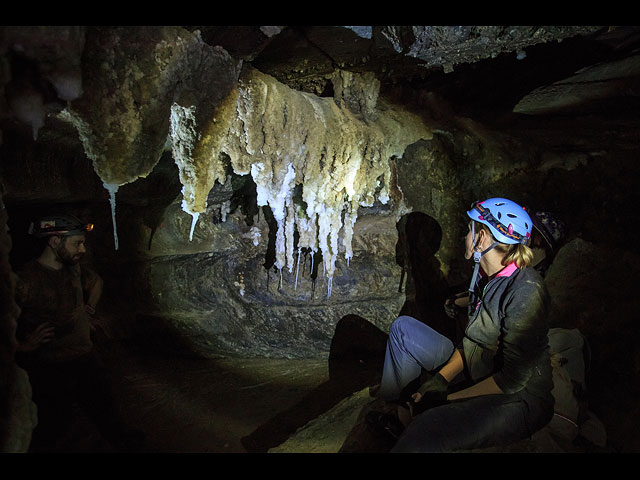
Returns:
(434,393)
(450,308)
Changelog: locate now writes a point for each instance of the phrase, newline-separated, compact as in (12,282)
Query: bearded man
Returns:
(58,297)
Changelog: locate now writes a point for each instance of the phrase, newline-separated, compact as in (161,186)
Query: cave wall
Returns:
(211,257)
(207,164)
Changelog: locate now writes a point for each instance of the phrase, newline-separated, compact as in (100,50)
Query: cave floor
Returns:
(202,405)
(230,405)
(226,405)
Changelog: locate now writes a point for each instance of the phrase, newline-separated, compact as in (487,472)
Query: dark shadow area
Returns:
(357,349)
(355,361)
(162,186)
(270,256)
(419,237)
(244,196)
(156,335)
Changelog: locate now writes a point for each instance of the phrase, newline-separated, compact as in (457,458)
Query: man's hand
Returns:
(41,335)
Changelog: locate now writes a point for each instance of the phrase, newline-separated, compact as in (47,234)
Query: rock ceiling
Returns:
(290,105)
(45,64)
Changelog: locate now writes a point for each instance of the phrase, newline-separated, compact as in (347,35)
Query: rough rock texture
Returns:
(21,417)
(137,84)
(616,79)
(17,411)
(589,289)
(286,138)
(131,79)
(217,297)
(46,73)
(327,433)
(448,46)
(382,134)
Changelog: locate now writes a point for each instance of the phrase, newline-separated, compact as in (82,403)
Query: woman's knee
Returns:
(402,324)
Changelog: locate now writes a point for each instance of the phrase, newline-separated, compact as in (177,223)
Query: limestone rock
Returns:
(431,184)
(328,432)
(219,298)
(450,45)
(131,79)
(22,415)
(359,92)
(603,81)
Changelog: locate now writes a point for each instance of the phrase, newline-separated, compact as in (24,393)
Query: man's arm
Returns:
(94,292)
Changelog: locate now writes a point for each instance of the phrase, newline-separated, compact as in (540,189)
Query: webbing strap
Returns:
(476,258)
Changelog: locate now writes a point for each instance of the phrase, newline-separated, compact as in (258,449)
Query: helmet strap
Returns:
(477,256)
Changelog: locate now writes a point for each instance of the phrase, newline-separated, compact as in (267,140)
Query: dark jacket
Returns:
(506,335)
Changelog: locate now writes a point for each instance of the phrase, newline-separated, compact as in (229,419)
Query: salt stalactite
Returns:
(307,227)
(295,287)
(277,191)
(290,226)
(307,234)
(184,135)
(28,106)
(350,218)
(329,225)
(194,220)
(112,189)
(285,139)
(225,208)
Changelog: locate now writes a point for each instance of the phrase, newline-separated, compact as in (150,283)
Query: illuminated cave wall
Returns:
(243,215)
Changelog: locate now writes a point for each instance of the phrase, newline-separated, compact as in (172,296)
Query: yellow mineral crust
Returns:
(123,117)
(284,138)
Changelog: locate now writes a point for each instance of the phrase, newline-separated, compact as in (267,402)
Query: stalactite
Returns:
(113,189)
(219,119)
(295,287)
(184,135)
(194,220)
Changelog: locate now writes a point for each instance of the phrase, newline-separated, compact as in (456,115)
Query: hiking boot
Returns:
(385,424)
(374,390)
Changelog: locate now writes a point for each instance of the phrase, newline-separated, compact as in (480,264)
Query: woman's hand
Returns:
(450,308)
(432,393)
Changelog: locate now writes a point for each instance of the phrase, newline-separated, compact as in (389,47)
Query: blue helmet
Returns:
(509,222)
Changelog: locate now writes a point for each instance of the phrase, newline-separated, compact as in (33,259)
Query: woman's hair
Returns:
(518,253)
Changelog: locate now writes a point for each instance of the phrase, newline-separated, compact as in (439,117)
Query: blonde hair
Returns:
(518,253)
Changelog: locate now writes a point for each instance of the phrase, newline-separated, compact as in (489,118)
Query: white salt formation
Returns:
(112,189)
(149,77)
(160,82)
(184,135)
(285,138)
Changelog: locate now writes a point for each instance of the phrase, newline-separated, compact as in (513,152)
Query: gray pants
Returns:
(479,422)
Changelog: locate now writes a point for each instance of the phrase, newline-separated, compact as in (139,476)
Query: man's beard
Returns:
(65,257)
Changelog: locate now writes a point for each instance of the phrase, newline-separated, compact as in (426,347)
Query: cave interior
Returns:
(253,258)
